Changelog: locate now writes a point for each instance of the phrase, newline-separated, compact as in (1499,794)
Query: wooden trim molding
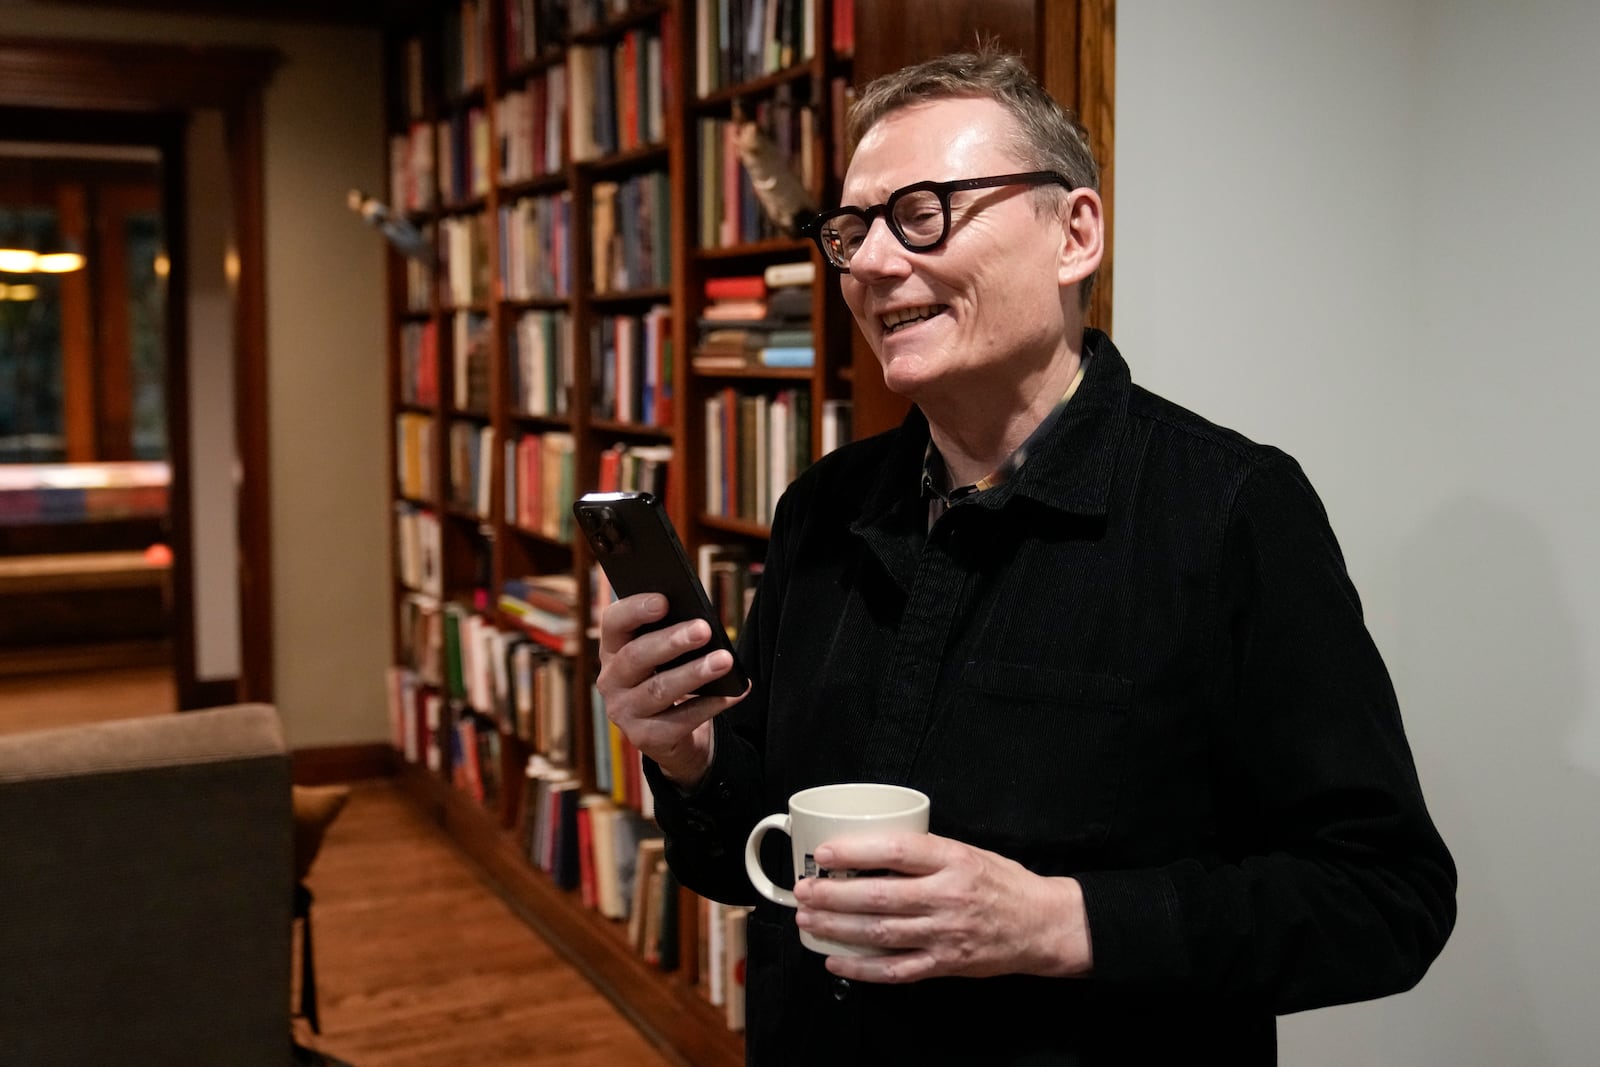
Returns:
(1097,82)
(117,76)
(336,764)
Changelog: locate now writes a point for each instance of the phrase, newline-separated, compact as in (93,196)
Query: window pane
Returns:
(31,407)
(146,321)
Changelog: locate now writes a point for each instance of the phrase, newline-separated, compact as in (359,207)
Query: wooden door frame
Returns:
(165,84)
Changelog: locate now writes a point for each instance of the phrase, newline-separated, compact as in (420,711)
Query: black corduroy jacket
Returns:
(1139,662)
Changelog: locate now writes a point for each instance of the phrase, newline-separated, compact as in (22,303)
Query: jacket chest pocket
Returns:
(1025,756)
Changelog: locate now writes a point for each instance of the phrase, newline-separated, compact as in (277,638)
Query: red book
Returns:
(586,885)
(737,287)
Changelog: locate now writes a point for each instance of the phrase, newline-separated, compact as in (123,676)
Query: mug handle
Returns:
(752,861)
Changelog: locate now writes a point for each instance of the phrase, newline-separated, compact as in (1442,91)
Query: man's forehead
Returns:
(939,140)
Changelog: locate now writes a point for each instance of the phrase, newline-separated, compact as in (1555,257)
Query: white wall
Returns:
(1366,231)
(325,352)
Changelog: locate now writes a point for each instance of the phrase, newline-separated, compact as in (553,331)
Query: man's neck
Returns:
(974,440)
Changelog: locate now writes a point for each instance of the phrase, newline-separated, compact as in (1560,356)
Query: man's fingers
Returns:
(619,620)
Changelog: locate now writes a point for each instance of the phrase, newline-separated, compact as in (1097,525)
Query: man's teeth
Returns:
(895,319)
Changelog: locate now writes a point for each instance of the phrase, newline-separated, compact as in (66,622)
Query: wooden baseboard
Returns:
(333,764)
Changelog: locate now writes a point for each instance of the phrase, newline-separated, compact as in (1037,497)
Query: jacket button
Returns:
(840,987)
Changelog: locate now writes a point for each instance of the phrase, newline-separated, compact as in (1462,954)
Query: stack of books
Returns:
(757,320)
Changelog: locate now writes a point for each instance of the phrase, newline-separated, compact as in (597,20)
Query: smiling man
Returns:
(1113,642)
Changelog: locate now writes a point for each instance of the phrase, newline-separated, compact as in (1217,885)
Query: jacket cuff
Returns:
(1135,927)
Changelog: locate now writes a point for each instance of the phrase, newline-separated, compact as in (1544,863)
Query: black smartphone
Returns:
(633,538)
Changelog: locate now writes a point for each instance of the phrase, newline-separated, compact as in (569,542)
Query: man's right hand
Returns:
(653,710)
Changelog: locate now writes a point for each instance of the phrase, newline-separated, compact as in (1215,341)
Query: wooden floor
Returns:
(419,964)
(41,701)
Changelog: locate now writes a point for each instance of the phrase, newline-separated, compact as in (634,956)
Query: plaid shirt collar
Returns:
(936,477)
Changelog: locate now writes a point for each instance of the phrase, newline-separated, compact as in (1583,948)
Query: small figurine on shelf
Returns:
(783,196)
(404,236)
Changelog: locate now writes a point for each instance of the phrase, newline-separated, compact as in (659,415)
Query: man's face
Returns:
(984,310)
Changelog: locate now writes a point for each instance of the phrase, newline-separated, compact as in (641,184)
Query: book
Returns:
(651,851)
(735,920)
(801,272)
(736,287)
(787,356)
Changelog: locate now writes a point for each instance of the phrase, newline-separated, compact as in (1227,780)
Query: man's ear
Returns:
(1083,236)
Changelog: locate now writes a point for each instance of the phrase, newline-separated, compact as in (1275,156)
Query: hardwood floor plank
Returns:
(419,963)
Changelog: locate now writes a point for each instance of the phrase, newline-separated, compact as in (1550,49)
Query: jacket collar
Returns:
(1071,471)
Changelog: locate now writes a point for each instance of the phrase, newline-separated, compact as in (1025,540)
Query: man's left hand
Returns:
(953,910)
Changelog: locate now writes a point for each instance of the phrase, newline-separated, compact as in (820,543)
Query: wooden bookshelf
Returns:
(499,334)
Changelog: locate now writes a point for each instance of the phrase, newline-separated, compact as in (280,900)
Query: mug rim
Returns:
(913,800)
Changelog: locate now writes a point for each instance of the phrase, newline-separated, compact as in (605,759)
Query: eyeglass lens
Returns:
(918,220)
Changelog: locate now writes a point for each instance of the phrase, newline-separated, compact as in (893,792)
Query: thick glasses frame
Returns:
(819,227)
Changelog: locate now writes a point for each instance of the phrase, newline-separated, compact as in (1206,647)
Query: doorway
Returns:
(199,109)
(85,542)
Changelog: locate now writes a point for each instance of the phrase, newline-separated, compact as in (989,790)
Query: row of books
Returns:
(532,29)
(540,357)
(420,277)
(419,363)
(730,212)
(530,125)
(730,575)
(614,857)
(418,548)
(631,361)
(635,468)
(631,237)
(464,251)
(542,483)
(447,736)
(536,247)
(618,95)
(470,368)
(463,32)
(469,457)
(465,156)
(421,635)
(741,40)
(415,473)
(756,443)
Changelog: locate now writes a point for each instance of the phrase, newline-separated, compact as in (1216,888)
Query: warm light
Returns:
(162,265)
(58,262)
(18,260)
(19,292)
(230,266)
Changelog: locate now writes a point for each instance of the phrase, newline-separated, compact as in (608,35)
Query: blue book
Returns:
(788,356)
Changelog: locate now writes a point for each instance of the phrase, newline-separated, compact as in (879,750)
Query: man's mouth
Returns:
(897,320)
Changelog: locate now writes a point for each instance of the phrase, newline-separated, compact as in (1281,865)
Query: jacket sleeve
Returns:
(1331,884)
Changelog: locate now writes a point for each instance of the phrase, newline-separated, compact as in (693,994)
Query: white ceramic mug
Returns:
(824,813)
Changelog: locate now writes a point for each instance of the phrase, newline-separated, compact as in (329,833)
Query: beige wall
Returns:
(1364,230)
(325,338)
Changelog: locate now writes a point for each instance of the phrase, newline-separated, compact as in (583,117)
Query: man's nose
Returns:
(880,252)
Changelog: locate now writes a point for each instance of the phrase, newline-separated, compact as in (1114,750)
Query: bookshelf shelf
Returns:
(630,296)
(719,101)
(770,249)
(741,527)
(754,373)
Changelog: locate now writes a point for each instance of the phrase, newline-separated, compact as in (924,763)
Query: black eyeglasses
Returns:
(918,215)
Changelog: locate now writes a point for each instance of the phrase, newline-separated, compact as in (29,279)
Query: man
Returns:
(1114,643)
